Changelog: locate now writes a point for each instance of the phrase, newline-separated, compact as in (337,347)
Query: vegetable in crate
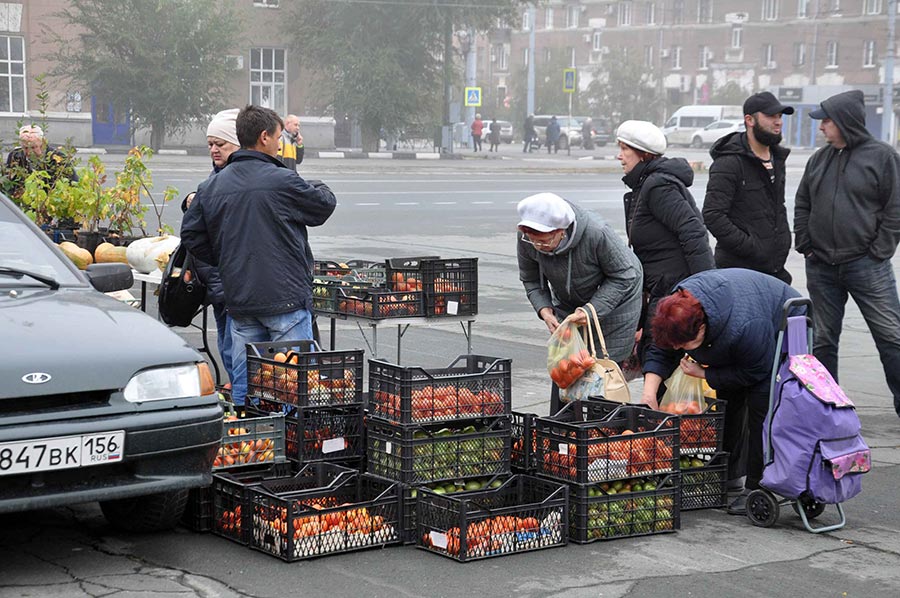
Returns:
(684,395)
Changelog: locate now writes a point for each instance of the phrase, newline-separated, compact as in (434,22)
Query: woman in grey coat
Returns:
(569,257)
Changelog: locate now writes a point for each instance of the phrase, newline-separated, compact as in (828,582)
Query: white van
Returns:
(680,128)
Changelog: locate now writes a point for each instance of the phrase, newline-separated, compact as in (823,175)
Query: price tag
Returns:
(452,308)
(563,449)
(333,445)
(389,448)
(438,539)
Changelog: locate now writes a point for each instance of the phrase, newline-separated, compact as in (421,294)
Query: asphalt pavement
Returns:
(466,208)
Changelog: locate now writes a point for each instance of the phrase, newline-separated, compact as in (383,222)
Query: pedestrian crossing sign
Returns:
(569,80)
(473,96)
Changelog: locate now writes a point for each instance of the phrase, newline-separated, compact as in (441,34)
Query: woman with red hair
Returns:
(727,322)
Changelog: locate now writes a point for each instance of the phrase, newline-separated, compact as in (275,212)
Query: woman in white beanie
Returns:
(664,226)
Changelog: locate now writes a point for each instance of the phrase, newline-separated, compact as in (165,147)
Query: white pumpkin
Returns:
(142,254)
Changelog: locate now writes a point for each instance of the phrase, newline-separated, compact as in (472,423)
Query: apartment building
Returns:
(802,50)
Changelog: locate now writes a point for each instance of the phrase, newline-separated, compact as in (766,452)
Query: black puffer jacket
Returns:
(744,210)
(848,202)
(250,220)
(664,225)
(208,275)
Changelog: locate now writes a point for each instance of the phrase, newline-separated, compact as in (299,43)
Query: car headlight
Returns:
(172,382)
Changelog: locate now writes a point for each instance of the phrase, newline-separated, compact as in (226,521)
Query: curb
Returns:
(357,155)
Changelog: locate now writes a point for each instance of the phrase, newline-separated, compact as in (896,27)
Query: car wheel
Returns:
(563,143)
(697,142)
(150,513)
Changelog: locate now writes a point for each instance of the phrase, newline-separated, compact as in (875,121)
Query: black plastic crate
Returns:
(471,386)
(522,452)
(368,270)
(623,509)
(325,434)
(299,373)
(230,510)
(251,441)
(704,480)
(523,514)
(403,274)
(455,488)
(294,521)
(331,268)
(451,287)
(325,297)
(424,454)
(598,446)
(198,514)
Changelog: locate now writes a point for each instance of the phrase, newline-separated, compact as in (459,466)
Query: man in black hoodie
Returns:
(744,206)
(847,223)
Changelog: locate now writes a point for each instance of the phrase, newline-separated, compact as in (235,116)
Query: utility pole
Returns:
(530,101)
(447,126)
(887,114)
(471,77)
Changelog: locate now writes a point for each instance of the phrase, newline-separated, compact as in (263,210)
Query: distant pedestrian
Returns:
(529,133)
(744,206)
(34,153)
(847,225)
(251,221)
(553,132)
(477,132)
(290,146)
(495,136)
(587,134)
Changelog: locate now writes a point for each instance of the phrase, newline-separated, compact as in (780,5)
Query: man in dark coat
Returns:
(530,134)
(744,206)
(847,222)
(250,220)
(553,131)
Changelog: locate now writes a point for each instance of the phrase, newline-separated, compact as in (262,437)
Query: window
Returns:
(266,3)
(799,54)
(501,97)
(704,58)
(526,20)
(573,13)
(872,7)
(596,39)
(648,56)
(803,8)
(548,55)
(503,53)
(769,10)
(676,57)
(677,12)
(768,57)
(833,8)
(548,18)
(73,101)
(625,10)
(12,74)
(831,54)
(651,13)
(737,37)
(267,78)
(704,11)
(869,53)
(525,57)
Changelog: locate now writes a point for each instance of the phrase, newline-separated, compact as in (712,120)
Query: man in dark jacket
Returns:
(744,206)
(250,220)
(530,134)
(847,222)
(553,132)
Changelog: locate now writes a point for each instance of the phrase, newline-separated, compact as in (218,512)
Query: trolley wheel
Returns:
(812,508)
(762,508)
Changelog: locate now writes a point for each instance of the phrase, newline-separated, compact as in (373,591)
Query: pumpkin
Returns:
(81,257)
(107,253)
(142,254)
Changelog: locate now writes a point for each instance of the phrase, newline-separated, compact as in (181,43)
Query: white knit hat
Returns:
(223,126)
(545,212)
(642,135)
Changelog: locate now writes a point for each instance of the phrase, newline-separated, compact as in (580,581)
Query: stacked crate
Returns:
(319,393)
(704,465)
(435,428)
(621,465)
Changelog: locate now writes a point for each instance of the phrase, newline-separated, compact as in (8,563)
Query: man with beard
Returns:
(744,206)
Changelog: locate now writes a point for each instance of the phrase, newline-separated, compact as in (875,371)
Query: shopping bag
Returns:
(567,355)
(605,378)
(684,394)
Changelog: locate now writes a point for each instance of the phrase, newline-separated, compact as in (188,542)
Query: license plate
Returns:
(65,452)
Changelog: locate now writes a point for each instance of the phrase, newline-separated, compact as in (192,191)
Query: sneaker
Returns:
(739,505)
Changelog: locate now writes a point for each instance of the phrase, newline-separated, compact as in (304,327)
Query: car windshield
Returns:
(21,249)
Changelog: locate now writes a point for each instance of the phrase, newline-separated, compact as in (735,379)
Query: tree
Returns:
(623,89)
(382,61)
(165,60)
(730,94)
(549,97)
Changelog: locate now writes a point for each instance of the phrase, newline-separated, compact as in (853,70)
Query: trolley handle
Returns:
(793,303)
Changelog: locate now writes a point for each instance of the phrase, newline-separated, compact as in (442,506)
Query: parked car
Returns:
(603,134)
(506,130)
(99,401)
(680,127)
(569,130)
(714,131)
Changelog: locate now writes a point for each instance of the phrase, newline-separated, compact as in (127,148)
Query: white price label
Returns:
(563,449)
(438,539)
(452,308)
(389,448)
(333,445)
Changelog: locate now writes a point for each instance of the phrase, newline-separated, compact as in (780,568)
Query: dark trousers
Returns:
(745,413)
(476,142)
(554,145)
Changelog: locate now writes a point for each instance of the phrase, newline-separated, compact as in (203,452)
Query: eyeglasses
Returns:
(554,239)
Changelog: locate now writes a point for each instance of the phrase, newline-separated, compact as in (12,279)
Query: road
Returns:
(467,208)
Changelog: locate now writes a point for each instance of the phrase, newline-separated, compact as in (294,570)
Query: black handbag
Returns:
(181,292)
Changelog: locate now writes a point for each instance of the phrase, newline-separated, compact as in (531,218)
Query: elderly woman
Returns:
(569,257)
(727,321)
(221,138)
(664,226)
(34,153)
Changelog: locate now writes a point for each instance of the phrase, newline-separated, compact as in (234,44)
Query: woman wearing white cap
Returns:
(569,257)
(664,226)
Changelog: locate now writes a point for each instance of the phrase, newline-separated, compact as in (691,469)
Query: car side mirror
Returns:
(107,278)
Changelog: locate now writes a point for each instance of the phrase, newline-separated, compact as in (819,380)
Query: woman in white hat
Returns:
(664,226)
(569,257)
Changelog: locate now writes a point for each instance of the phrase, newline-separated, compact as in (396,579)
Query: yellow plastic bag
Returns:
(684,395)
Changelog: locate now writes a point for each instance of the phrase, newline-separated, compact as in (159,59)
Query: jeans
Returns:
(223,337)
(745,414)
(291,326)
(872,285)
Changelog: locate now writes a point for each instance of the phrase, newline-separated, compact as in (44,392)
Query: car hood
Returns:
(82,339)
